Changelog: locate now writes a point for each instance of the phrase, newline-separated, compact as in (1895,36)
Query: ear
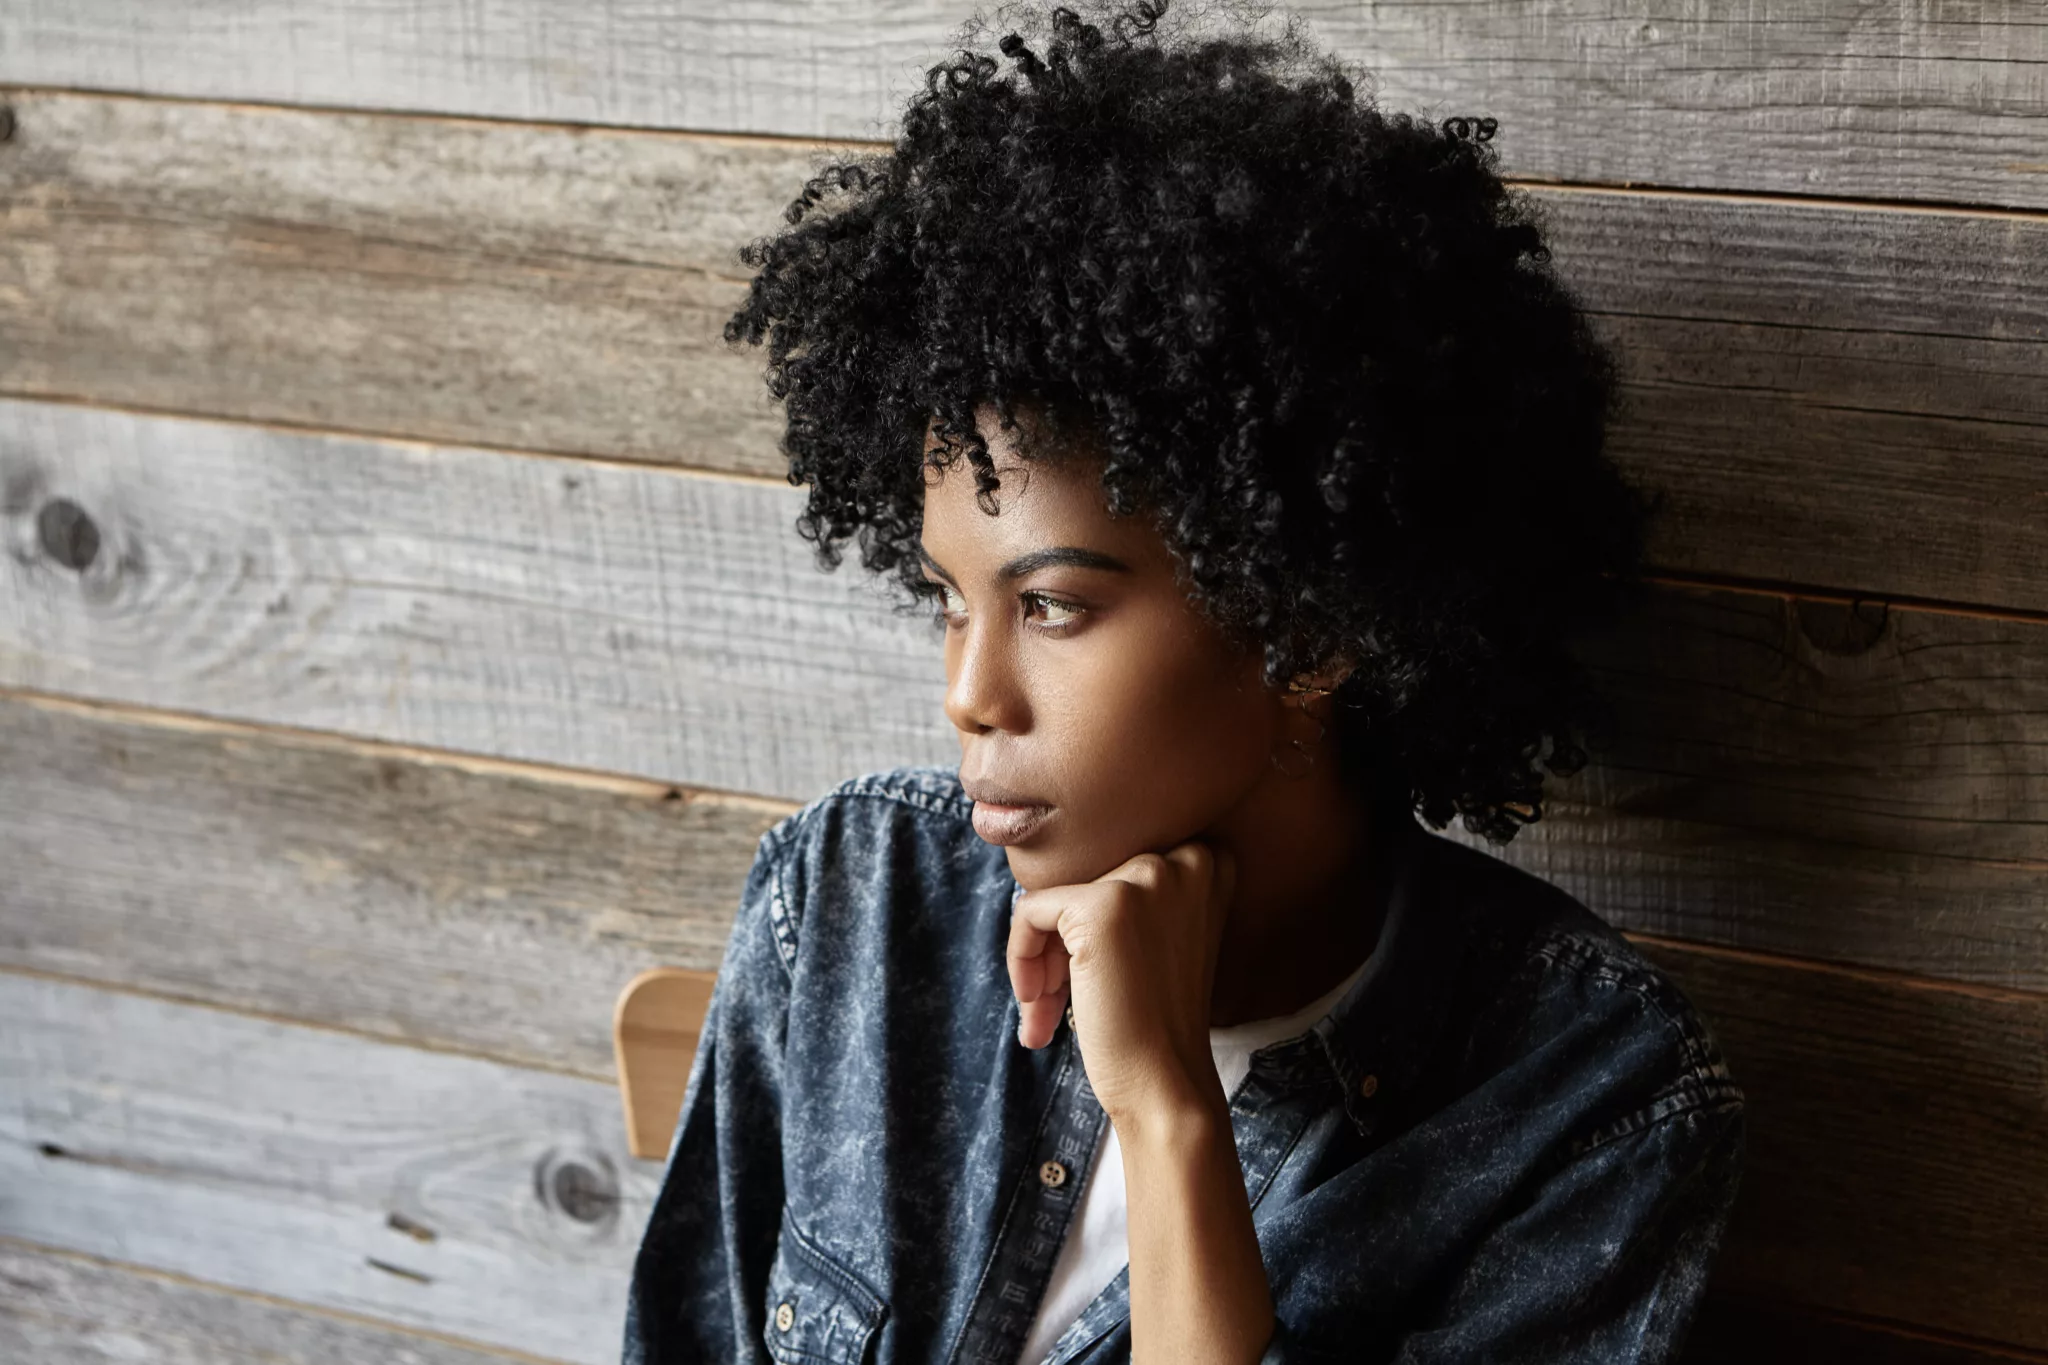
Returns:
(1323,680)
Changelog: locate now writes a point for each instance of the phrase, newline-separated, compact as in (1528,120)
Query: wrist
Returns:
(1172,1115)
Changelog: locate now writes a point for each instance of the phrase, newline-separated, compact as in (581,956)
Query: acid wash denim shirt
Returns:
(1511,1140)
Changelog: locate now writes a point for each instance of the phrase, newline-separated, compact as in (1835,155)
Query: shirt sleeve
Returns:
(698,1289)
(1605,1263)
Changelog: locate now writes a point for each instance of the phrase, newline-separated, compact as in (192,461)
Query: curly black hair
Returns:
(1321,344)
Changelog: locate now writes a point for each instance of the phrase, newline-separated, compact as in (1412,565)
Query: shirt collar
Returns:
(1375,1039)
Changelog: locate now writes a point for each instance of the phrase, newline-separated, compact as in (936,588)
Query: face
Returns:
(1100,713)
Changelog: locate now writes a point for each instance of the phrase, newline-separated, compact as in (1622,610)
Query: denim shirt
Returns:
(1511,1140)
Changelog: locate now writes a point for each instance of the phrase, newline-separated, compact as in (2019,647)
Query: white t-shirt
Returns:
(1096,1245)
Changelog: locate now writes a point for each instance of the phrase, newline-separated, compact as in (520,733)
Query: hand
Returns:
(1135,950)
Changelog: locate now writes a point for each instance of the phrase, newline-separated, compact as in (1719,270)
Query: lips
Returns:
(1008,824)
(1004,815)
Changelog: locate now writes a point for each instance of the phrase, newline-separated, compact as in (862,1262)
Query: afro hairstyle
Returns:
(1319,344)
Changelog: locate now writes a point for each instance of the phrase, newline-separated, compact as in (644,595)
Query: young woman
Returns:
(1251,457)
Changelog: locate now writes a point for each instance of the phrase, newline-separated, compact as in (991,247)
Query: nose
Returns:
(982,691)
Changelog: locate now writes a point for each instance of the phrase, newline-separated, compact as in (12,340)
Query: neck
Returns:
(1311,896)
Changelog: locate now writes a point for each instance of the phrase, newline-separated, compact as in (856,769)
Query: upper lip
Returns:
(989,794)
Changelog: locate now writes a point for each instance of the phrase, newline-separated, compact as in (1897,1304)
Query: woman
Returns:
(1252,459)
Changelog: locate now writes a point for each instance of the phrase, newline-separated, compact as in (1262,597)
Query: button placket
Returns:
(1036,1222)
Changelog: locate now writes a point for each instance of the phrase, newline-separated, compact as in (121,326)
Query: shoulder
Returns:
(883,845)
(1547,983)
(915,799)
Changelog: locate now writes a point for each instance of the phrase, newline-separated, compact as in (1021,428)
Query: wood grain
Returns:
(538,288)
(64,1309)
(1864,1090)
(487,910)
(655,1031)
(609,617)
(1832,97)
(442,1193)
(1809,778)
(1790,776)
(1825,395)
(1735,1331)
(1894,1131)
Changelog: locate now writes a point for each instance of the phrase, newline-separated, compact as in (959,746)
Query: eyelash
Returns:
(938,591)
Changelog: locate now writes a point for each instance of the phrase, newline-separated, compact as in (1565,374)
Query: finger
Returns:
(1027,977)
(1039,1020)
(1035,947)
(1025,955)
(1196,858)
(1058,961)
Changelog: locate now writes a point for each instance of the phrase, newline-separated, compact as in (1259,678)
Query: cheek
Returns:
(1157,743)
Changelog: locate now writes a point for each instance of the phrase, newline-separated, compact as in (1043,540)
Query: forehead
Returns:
(1051,492)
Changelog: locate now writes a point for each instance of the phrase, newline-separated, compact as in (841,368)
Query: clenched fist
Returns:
(1135,951)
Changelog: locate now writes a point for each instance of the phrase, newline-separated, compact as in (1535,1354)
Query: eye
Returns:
(940,592)
(1064,613)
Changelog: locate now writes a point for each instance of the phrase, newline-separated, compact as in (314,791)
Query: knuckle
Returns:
(1148,869)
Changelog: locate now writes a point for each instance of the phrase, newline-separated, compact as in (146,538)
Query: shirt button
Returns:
(1052,1175)
(785,1317)
(1070,1014)
(1369,1087)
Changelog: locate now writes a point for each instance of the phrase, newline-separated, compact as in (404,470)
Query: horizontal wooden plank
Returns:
(492,911)
(621,618)
(64,1309)
(1825,395)
(1783,97)
(1809,778)
(1894,1125)
(444,1193)
(1895,1136)
(548,289)
(1735,1331)
(1787,776)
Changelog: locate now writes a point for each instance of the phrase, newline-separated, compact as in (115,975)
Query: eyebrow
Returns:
(1074,556)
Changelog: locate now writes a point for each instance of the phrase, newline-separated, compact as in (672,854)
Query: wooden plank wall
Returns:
(402,641)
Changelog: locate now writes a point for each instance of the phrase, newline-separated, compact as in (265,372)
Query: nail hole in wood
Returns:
(419,1232)
(398,1270)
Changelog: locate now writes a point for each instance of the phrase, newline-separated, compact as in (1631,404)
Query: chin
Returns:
(1033,869)
(1046,863)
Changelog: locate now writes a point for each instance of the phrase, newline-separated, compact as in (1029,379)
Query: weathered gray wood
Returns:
(1804,778)
(1827,396)
(472,907)
(1881,806)
(1820,97)
(1895,1127)
(445,1193)
(63,1309)
(549,289)
(622,618)
(1865,1093)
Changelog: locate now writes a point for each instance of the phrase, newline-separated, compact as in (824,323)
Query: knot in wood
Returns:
(581,1185)
(1843,628)
(68,534)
